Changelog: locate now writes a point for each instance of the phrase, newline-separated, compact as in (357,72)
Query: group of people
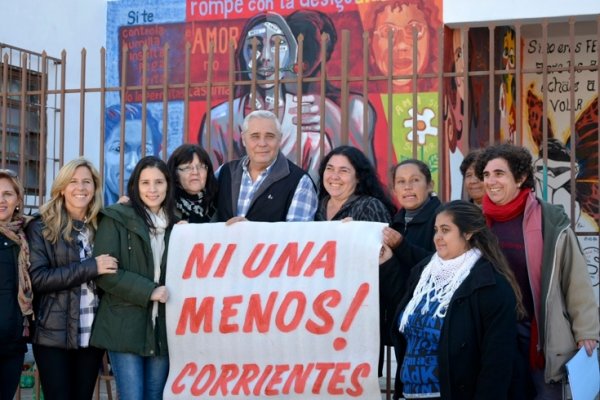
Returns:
(481,299)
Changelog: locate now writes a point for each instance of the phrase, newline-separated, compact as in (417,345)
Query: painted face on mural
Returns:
(556,182)
(132,154)
(266,35)
(400,21)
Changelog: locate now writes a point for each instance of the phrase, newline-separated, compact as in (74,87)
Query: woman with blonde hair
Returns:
(62,272)
(15,284)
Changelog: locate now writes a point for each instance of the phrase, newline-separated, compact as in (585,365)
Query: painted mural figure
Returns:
(401,18)
(554,179)
(133,146)
(454,104)
(266,28)
(508,89)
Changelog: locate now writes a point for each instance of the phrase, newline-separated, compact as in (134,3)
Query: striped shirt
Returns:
(88,299)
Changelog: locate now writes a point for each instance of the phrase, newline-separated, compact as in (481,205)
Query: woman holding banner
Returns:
(455,332)
(350,188)
(131,318)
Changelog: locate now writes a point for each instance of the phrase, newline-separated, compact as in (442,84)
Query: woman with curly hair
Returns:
(551,271)
(350,189)
(63,270)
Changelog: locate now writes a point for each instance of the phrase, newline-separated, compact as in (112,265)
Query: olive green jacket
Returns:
(124,319)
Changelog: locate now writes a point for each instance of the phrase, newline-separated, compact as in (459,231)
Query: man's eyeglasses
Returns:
(187,169)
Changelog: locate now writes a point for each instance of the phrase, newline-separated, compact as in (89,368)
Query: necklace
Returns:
(81,224)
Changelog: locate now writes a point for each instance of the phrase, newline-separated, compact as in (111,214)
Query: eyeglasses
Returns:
(8,172)
(187,169)
(401,32)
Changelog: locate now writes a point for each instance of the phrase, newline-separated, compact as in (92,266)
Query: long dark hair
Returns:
(367,181)
(470,220)
(133,190)
(185,154)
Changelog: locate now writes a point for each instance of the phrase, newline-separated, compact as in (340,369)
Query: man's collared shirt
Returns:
(304,203)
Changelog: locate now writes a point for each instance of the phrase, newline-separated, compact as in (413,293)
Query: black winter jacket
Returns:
(56,276)
(478,341)
(11,320)
(416,245)
(273,198)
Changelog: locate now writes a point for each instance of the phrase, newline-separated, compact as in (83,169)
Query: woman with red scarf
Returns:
(551,271)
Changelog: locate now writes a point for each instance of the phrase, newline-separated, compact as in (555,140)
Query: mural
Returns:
(396,29)
(476,88)
(553,179)
(192,26)
(265,28)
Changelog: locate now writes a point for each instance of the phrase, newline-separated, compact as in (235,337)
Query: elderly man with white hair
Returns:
(264,185)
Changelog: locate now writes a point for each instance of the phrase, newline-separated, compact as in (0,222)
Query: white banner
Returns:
(273,310)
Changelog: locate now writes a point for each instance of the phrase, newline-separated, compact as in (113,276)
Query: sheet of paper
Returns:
(584,375)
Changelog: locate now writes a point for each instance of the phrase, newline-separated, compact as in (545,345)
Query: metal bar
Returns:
(345,86)
(102,107)
(366,144)
(415,93)
(186,95)
(144,99)
(518,83)
(464,42)
(63,85)
(165,100)
(230,99)
(545,107)
(443,135)
(209,79)
(491,82)
(23,132)
(323,92)
(122,121)
(573,138)
(299,94)
(4,107)
(43,131)
(82,103)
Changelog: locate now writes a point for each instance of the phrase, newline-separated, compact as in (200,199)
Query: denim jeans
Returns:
(137,377)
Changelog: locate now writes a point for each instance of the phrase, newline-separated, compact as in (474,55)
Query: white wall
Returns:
(460,11)
(54,26)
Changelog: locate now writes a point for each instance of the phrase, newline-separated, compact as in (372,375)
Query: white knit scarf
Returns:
(439,280)
(157,243)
